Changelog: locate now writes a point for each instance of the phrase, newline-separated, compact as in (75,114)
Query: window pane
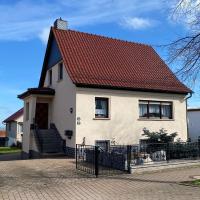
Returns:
(50,77)
(154,110)
(101,107)
(20,127)
(143,110)
(27,111)
(166,111)
(60,71)
(103,144)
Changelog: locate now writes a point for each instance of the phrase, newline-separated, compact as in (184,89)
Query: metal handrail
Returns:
(37,138)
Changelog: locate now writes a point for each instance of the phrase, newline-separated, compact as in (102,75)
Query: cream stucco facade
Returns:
(73,108)
(14,131)
(63,101)
(124,125)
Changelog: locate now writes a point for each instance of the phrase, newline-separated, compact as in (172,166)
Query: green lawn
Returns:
(4,150)
(196,182)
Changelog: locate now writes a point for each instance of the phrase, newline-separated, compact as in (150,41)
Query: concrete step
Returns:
(50,133)
(55,137)
(52,155)
(51,141)
(52,147)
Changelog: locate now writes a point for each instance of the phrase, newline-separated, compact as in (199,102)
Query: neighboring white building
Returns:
(94,88)
(194,123)
(14,127)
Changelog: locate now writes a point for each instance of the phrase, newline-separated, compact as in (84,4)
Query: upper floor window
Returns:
(9,126)
(27,111)
(50,77)
(101,107)
(155,109)
(60,71)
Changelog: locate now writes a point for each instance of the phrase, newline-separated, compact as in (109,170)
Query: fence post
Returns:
(199,145)
(96,161)
(76,156)
(168,152)
(129,158)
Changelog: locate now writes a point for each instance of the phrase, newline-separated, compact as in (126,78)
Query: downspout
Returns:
(186,99)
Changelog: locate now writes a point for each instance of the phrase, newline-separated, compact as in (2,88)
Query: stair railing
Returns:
(53,126)
(38,141)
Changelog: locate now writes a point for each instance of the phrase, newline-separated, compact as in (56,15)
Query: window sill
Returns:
(140,119)
(101,118)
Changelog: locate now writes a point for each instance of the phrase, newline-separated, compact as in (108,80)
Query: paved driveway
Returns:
(57,179)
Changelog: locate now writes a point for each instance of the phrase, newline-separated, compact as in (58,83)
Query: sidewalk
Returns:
(51,179)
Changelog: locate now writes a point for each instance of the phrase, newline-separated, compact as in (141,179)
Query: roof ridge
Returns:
(103,36)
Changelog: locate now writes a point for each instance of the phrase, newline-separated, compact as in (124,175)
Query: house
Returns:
(193,124)
(98,90)
(3,138)
(14,127)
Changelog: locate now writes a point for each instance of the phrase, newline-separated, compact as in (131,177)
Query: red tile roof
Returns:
(2,133)
(98,61)
(14,116)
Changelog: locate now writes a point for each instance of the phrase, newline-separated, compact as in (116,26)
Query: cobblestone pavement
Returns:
(57,179)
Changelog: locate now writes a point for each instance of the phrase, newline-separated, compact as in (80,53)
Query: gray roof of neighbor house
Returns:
(193,109)
(98,61)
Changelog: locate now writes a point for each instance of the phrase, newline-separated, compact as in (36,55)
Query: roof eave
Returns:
(37,91)
(131,89)
(42,77)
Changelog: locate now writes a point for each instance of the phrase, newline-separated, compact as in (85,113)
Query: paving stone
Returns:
(51,179)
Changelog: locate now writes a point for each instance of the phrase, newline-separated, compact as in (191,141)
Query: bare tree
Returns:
(186,50)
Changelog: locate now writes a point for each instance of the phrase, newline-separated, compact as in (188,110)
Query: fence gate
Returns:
(87,159)
(97,161)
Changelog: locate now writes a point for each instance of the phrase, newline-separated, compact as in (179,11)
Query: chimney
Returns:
(60,24)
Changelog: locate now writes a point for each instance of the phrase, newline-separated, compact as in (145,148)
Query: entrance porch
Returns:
(41,136)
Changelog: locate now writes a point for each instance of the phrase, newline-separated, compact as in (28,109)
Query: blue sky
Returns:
(24,26)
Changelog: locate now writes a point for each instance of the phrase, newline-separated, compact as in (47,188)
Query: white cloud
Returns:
(137,23)
(26,19)
(44,35)
(186,13)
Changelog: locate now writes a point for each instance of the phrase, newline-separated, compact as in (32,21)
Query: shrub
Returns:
(162,136)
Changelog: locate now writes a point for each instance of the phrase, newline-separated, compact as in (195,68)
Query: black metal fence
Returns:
(159,152)
(97,161)
(120,158)
(86,158)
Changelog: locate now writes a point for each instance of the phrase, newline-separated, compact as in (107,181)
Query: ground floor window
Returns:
(155,109)
(20,127)
(103,144)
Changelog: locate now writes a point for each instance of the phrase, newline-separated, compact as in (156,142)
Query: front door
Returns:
(41,115)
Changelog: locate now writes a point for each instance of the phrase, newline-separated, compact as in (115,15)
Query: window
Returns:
(101,107)
(20,127)
(60,71)
(103,144)
(166,110)
(9,126)
(50,77)
(155,110)
(27,111)
(143,107)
